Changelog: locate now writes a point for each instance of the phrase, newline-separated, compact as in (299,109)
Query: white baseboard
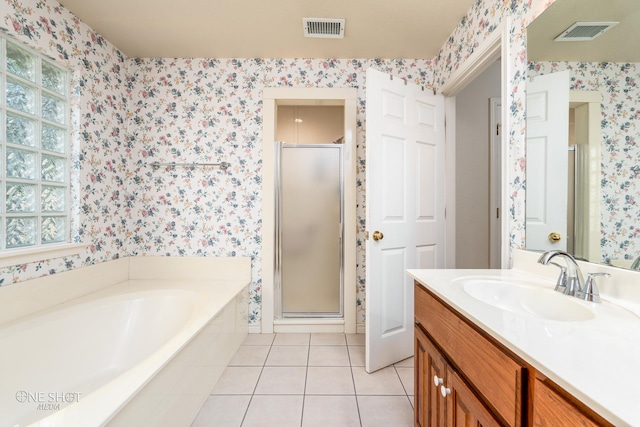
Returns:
(309,325)
(255,329)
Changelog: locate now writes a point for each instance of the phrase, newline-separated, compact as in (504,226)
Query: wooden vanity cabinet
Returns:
(555,407)
(442,397)
(482,385)
(485,384)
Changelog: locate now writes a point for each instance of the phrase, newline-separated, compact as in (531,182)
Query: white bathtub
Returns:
(140,352)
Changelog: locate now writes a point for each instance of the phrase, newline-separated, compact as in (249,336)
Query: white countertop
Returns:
(596,360)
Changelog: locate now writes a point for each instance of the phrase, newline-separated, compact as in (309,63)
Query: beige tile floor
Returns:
(308,380)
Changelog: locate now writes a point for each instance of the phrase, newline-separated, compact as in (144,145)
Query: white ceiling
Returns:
(271,28)
(619,44)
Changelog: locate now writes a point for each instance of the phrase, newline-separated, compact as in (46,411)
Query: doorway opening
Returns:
(298,107)
(478,171)
(584,175)
(495,248)
(309,214)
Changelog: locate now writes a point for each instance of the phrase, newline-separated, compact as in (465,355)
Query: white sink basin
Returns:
(532,300)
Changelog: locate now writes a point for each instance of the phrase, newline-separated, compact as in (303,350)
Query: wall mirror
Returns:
(599,158)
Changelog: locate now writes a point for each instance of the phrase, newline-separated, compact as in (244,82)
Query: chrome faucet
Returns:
(572,282)
(636,264)
(561,282)
(590,291)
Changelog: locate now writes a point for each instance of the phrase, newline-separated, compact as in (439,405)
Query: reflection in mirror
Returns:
(603,136)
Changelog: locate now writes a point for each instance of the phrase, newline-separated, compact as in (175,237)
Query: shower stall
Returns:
(309,231)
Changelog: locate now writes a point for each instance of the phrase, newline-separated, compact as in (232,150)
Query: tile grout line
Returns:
(403,387)
(307,365)
(395,369)
(306,377)
(256,386)
(353,381)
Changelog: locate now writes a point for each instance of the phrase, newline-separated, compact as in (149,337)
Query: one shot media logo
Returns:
(47,401)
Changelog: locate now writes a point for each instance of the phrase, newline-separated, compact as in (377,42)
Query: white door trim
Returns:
(588,135)
(495,46)
(450,181)
(496,210)
(271,98)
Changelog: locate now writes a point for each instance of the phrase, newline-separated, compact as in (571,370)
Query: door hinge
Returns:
(497,213)
(498,126)
(366,235)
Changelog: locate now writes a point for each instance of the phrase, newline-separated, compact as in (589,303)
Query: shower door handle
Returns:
(377,235)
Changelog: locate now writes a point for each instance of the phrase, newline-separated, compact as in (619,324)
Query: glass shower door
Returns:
(309,237)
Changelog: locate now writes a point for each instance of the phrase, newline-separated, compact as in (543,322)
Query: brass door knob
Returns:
(377,235)
(554,237)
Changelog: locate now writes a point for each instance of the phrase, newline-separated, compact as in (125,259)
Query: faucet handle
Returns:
(590,291)
(561,283)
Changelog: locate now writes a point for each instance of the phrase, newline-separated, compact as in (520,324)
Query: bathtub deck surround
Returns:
(306,380)
(161,331)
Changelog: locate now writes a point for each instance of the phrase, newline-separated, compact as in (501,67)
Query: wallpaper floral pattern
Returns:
(98,114)
(619,85)
(209,110)
(130,112)
(485,17)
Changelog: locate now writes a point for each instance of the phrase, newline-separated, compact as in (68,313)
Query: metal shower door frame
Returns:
(279,146)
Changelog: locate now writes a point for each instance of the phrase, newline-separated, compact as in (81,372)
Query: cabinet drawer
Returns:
(495,375)
(551,408)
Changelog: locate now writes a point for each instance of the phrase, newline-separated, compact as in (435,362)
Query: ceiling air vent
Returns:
(585,31)
(323,28)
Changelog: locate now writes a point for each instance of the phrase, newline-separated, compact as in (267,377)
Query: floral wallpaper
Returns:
(485,17)
(132,112)
(98,115)
(209,110)
(129,112)
(619,84)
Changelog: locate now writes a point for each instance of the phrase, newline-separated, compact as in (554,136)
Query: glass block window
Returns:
(34,163)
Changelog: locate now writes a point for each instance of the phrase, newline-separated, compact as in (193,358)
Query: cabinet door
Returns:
(551,409)
(464,408)
(429,370)
(495,375)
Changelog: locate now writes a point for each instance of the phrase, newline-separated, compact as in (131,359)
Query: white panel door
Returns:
(547,160)
(405,208)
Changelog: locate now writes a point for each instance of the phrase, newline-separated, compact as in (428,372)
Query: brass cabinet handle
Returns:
(377,235)
(554,237)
